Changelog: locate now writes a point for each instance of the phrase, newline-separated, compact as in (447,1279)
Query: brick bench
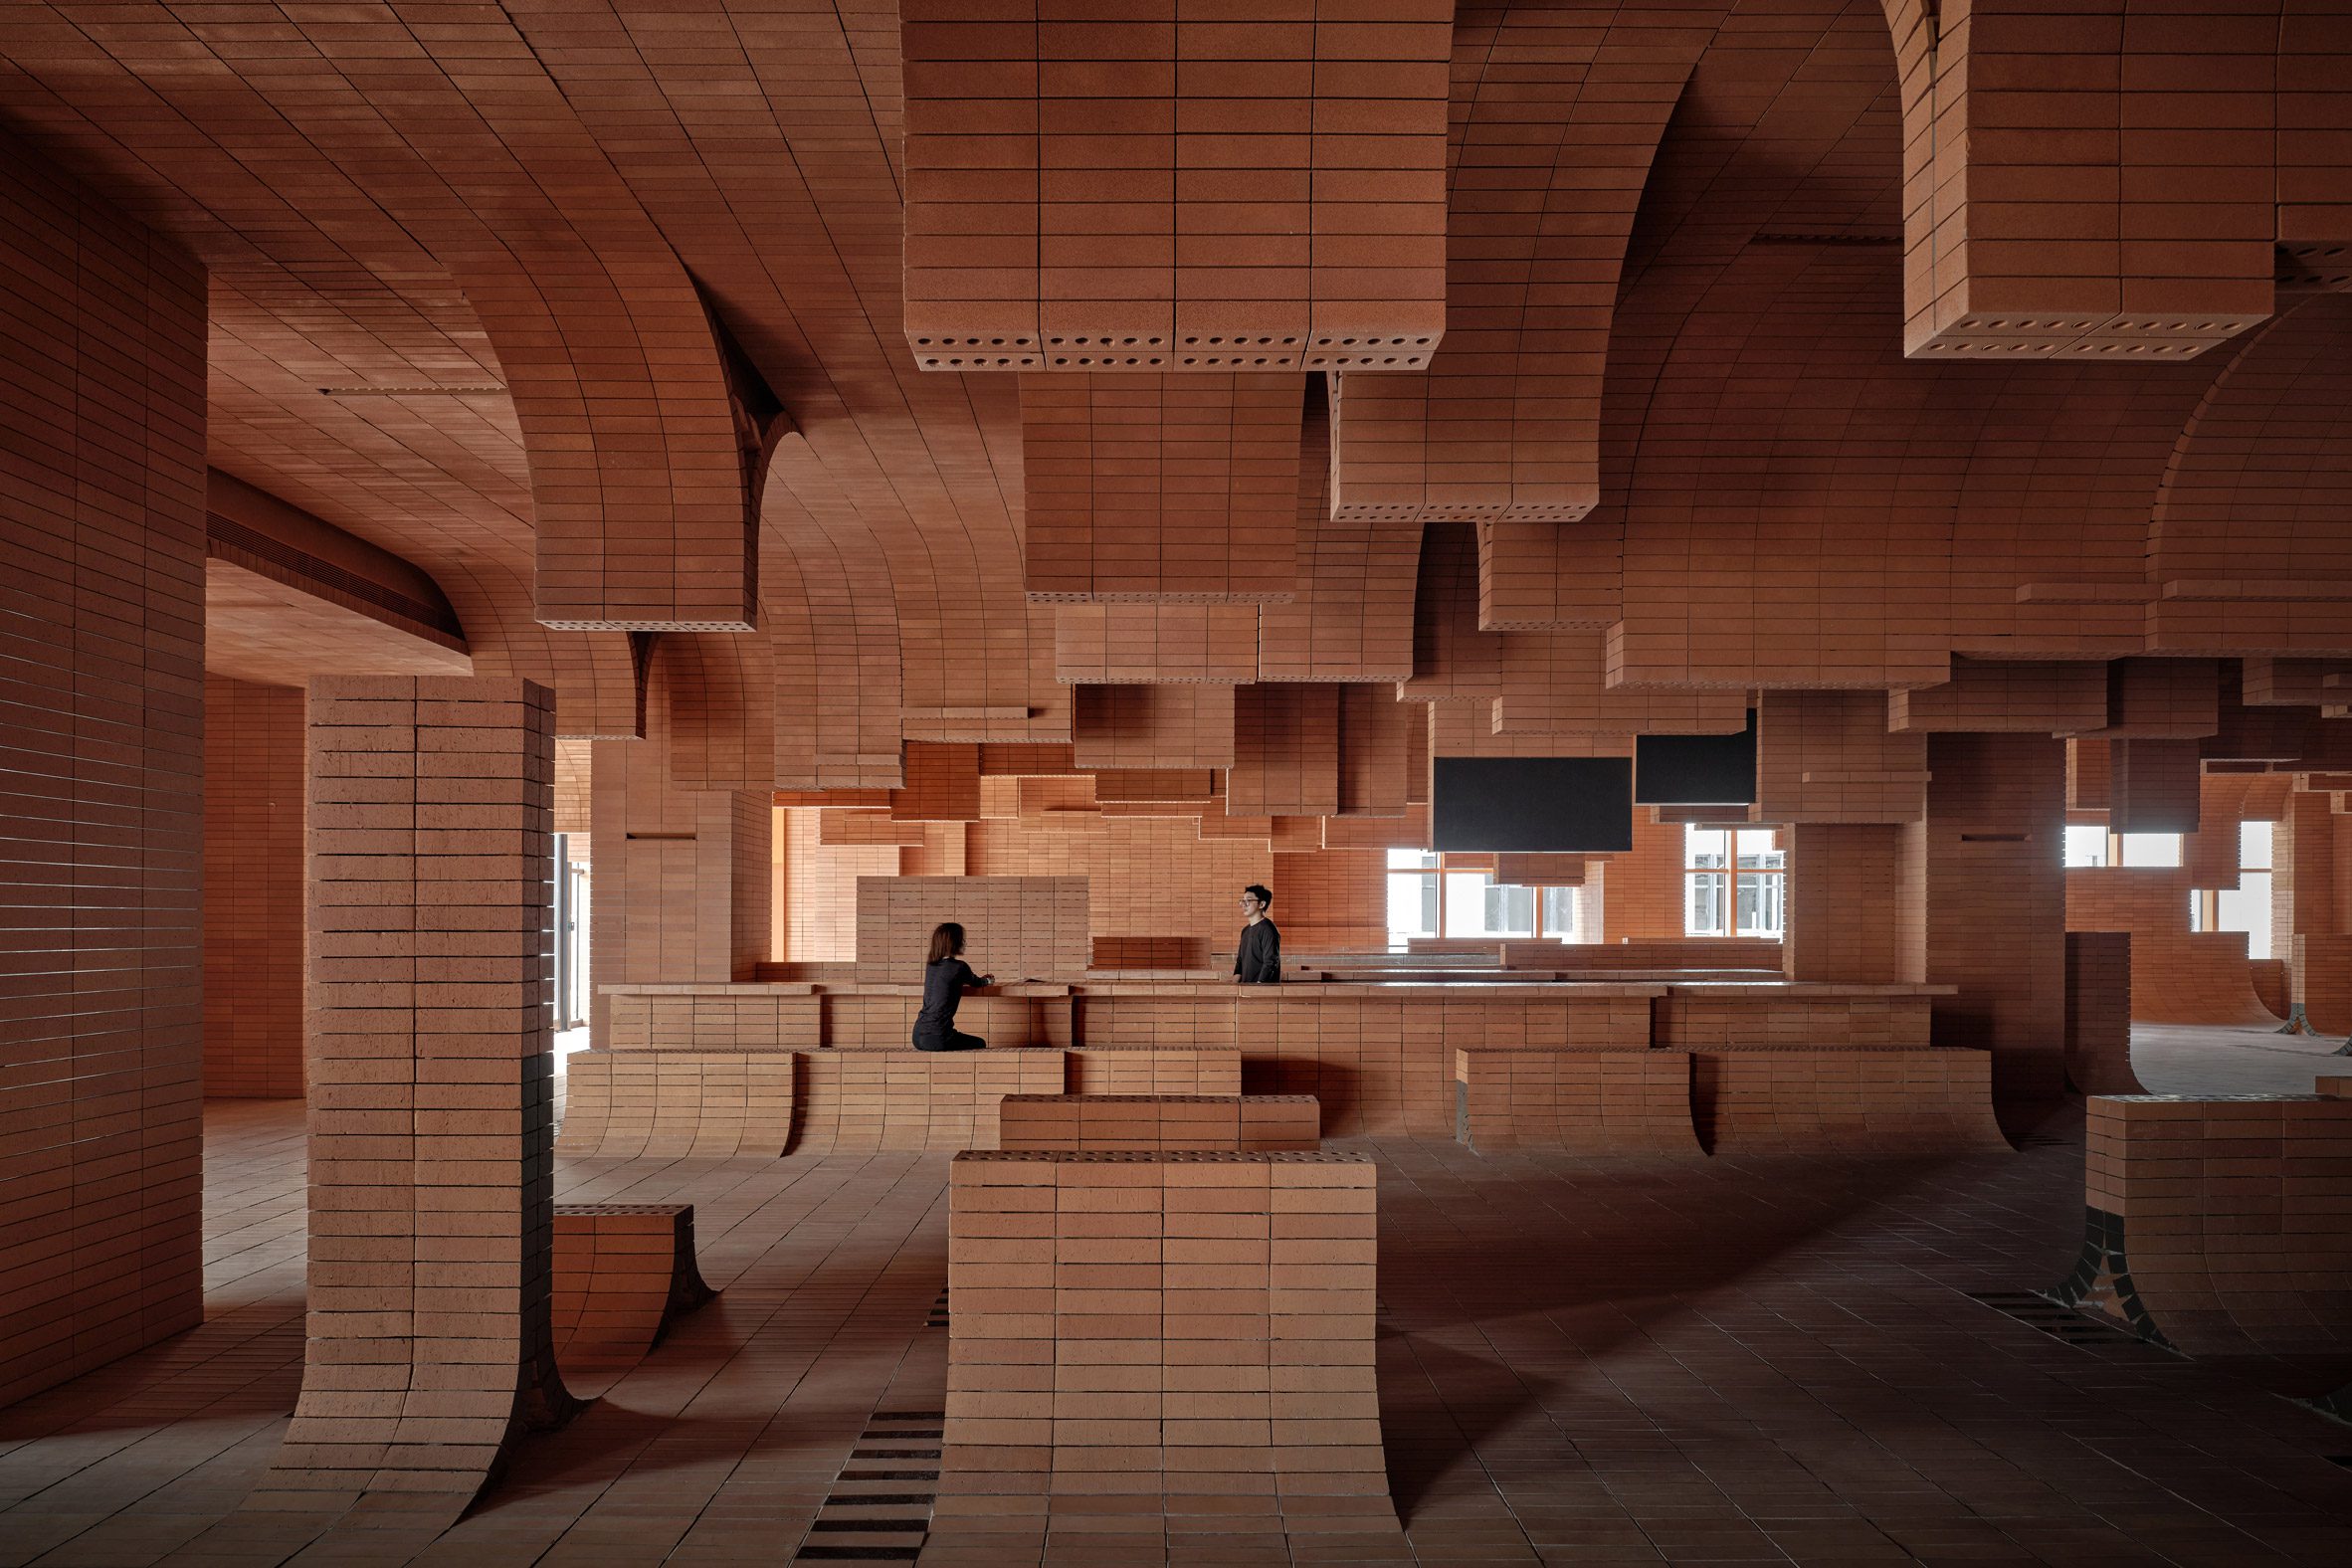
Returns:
(1242,1123)
(624,1273)
(1580,1102)
(1155,1069)
(1155,1328)
(1845,1101)
(633,1104)
(2219,1226)
(2336,1086)
(918,1100)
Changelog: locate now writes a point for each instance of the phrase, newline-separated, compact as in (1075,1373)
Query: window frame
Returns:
(1729,877)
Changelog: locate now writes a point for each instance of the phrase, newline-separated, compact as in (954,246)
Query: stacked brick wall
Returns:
(856,1101)
(1580,1102)
(102,724)
(1159,1326)
(1015,927)
(1895,1102)
(252,875)
(682,876)
(1148,1123)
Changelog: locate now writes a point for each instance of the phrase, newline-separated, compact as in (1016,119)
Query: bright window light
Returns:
(2087,846)
(2150,851)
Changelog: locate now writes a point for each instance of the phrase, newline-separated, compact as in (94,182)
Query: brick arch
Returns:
(640,511)
(832,620)
(2250,545)
(1558,106)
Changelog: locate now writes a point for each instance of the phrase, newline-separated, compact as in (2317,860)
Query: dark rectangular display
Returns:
(1576,804)
(1696,770)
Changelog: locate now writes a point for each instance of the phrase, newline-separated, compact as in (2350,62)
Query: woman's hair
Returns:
(947,940)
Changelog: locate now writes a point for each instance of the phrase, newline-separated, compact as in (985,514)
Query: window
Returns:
(1560,913)
(2087,846)
(2093,846)
(1425,899)
(1412,895)
(1510,912)
(2246,906)
(1735,883)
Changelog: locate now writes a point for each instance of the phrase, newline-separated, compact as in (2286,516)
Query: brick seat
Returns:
(1580,1102)
(700,1104)
(1244,1123)
(2218,1226)
(1845,1100)
(624,1273)
(1156,1069)
(874,1099)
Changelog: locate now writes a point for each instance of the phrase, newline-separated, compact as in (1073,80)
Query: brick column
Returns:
(431,1092)
(101,777)
(1986,874)
(683,879)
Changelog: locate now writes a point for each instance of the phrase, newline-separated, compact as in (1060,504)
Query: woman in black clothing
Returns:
(944,979)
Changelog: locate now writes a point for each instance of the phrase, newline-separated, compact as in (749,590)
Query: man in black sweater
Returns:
(1259,961)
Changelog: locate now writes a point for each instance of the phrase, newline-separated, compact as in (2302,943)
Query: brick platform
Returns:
(1105,1123)
(1580,1102)
(1132,1333)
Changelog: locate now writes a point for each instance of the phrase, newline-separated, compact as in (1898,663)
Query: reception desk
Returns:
(1378,1055)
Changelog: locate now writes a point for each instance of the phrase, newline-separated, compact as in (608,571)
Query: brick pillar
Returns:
(1845,910)
(101,733)
(432,1113)
(683,879)
(1987,877)
(252,867)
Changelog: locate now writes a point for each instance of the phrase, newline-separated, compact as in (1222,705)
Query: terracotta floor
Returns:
(1727,1361)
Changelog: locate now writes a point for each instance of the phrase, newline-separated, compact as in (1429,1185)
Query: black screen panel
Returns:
(1696,770)
(1562,804)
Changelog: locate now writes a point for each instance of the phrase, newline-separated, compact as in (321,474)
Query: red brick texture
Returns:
(2217,1226)
(101,726)
(254,930)
(1154,1328)
(1150,1123)
(431,963)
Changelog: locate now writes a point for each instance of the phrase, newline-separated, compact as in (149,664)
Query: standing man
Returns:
(1259,958)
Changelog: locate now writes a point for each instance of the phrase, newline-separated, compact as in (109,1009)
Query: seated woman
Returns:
(944,980)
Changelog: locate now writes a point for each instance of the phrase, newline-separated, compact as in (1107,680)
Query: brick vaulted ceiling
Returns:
(815,377)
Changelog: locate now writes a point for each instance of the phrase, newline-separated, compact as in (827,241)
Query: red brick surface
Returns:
(1154,1327)
(102,740)
(431,964)
(254,930)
